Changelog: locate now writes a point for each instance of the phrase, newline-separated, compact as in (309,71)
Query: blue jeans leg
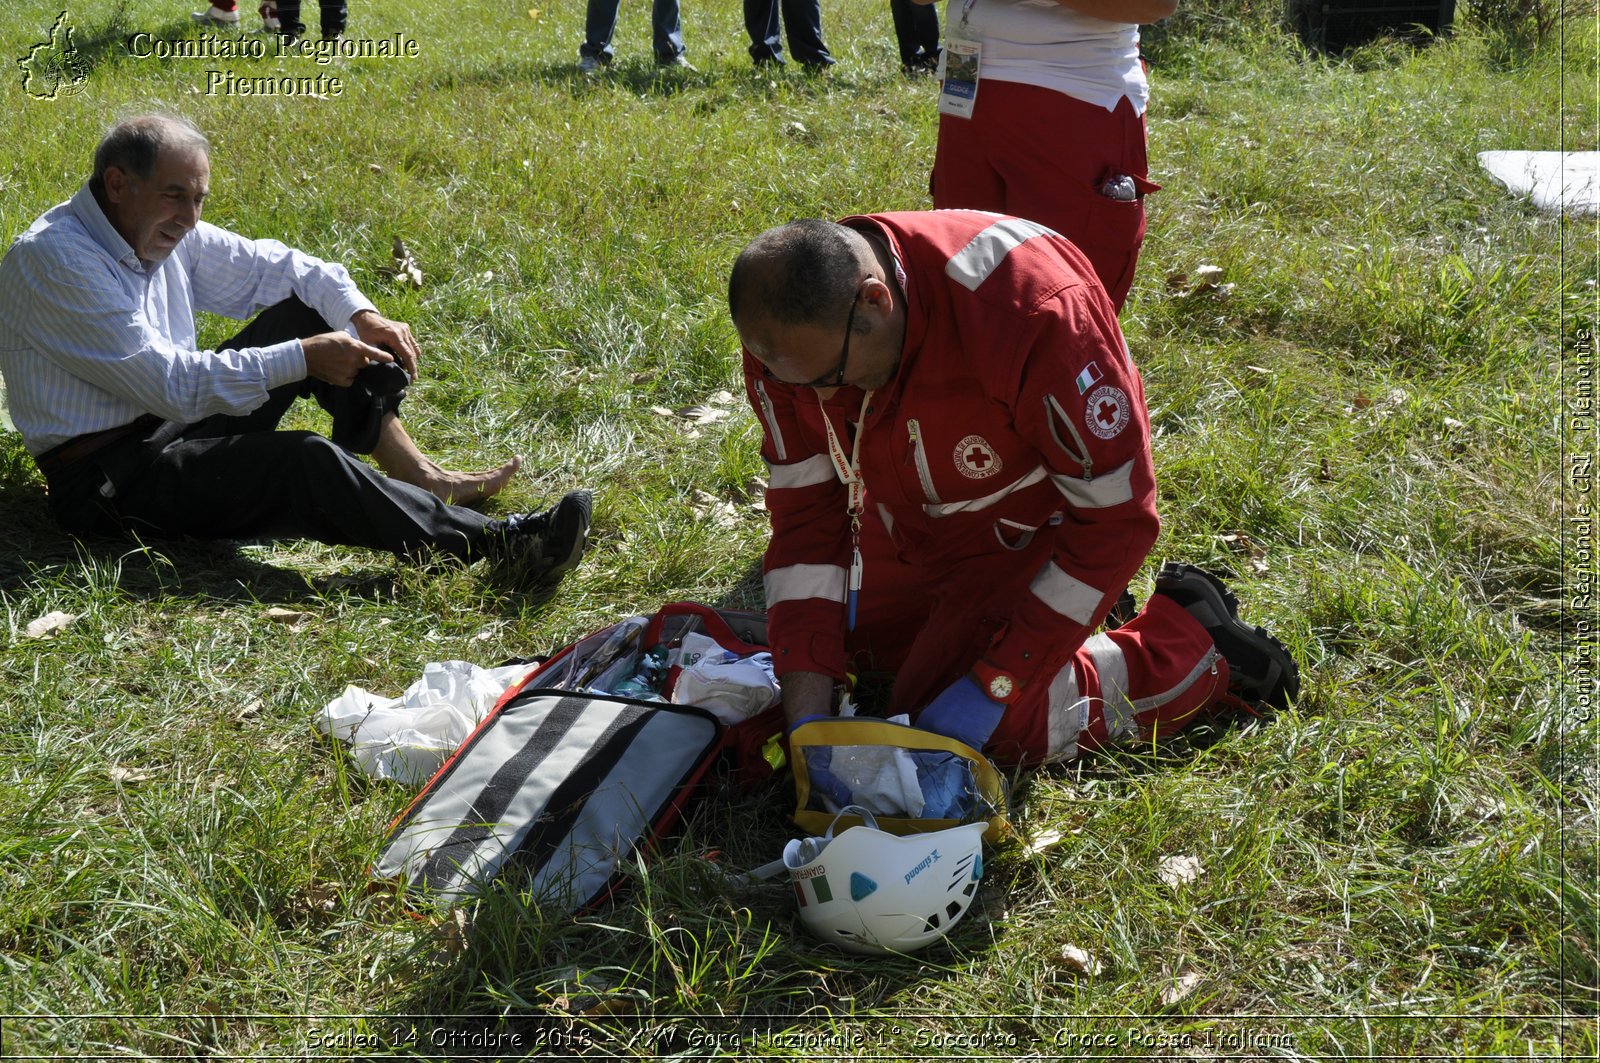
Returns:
(599,23)
(666,30)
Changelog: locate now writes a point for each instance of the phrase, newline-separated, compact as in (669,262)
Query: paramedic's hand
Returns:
(962,712)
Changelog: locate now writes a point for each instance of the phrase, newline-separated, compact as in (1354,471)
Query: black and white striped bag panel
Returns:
(566,784)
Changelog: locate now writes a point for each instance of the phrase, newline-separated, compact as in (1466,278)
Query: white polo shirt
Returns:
(1039,42)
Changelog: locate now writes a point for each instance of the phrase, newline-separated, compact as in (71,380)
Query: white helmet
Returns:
(871,892)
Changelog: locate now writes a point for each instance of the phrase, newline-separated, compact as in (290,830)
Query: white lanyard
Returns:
(849,470)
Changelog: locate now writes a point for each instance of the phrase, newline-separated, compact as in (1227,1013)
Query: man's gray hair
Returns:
(133,145)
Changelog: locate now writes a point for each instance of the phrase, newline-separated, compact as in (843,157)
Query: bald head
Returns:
(134,145)
(802,273)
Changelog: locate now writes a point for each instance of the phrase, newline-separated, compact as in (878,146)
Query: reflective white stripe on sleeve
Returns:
(1072,598)
(816,469)
(796,583)
(1108,489)
(972,265)
(972,505)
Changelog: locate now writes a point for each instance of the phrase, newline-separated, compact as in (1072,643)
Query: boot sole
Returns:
(1217,610)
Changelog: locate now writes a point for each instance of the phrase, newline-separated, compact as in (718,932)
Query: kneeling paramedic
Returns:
(961,487)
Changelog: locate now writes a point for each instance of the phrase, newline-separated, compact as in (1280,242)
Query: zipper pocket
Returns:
(924,473)
(772,421)
(1082,454)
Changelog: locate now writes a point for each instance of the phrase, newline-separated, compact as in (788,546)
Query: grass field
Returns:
(1380,421)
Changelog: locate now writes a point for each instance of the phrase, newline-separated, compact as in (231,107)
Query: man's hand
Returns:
(336,357)
(962,712)
(392,336)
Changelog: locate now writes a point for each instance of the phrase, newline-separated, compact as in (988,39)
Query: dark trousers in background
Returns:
(802,21)
(237,477)
(916,31)
(335,16)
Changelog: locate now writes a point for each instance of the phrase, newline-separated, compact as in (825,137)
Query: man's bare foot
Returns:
(463,488)
(400,459)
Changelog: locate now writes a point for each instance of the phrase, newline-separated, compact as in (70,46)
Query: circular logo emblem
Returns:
(1106,411)
(976,459)
(1000,687)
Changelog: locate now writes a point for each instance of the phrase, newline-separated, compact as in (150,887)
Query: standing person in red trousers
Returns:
(1042,116)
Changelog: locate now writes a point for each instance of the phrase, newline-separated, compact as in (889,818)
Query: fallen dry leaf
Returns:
(119,774)
(702,414)
(1179,870)
(1361,401)
(249,710)
(1042,841)
(285,616)
(1079,960)
(453,932)
(1181,986)
(47,625)
(405,268)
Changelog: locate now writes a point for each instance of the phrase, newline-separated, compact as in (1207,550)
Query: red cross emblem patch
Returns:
(976,459)
(1106,411)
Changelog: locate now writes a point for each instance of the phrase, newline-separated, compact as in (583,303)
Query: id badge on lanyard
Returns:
(849,469)
(959,93)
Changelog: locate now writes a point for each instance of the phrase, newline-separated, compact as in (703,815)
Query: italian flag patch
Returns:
(819,890)
(1088,378)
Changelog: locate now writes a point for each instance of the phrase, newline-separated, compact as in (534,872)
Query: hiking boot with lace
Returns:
(1260,670)
(545,546)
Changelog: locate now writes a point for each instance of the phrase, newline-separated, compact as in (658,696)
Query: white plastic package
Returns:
(407,738)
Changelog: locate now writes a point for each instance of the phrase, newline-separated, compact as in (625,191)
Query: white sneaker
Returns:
(589,64)
(269,17)
(217,15)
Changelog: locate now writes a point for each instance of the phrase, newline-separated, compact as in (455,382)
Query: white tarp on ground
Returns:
(1563,181)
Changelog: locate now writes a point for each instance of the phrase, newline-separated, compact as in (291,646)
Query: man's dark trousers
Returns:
(802,21)
(237,477)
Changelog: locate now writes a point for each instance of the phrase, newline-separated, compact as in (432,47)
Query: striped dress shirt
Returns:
(91,338)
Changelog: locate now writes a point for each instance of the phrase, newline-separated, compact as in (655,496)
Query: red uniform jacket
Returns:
(1016,412)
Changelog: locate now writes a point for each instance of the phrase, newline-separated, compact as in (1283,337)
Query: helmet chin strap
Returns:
(807,850)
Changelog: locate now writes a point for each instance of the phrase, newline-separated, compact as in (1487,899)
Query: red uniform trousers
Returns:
(1151,676)
(1043,155)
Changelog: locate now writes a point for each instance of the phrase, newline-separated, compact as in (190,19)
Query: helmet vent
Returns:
(953,910)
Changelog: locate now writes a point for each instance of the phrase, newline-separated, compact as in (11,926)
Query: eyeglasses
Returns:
(837,375)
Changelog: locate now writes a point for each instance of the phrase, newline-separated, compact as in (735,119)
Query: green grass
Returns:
(1404,865)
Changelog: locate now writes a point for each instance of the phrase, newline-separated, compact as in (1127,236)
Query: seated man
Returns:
(962,486)
(138,431)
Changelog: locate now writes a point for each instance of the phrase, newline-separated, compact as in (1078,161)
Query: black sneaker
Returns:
(544,546)
(1261,669)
